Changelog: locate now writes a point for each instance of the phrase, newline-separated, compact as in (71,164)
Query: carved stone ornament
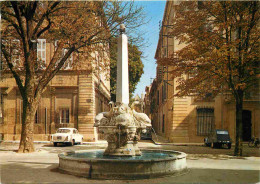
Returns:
(121,127)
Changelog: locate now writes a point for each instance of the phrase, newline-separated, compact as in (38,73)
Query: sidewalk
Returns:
(42,166)
(160,140)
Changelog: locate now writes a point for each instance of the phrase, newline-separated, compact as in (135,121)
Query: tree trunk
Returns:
(239,129)
(26,142)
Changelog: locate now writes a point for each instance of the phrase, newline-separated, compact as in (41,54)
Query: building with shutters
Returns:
(71,99)
(187,119)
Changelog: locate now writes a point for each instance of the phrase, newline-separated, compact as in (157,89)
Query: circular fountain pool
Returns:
(93,164)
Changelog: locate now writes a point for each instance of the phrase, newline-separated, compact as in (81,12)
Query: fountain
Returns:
(121,127)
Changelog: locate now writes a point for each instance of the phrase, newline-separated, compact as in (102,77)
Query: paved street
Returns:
(205,165)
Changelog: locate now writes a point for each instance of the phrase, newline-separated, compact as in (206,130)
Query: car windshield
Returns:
(63,131)
(222,132)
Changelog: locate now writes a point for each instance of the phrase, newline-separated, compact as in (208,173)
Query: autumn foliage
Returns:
(78,28)
(220,51)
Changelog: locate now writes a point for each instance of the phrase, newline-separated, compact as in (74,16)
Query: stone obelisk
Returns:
(122,83)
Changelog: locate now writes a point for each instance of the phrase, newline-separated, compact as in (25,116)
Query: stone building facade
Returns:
(71,99)
(147,103)
(188,119)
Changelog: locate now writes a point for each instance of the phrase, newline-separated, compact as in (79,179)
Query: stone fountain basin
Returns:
(92,164)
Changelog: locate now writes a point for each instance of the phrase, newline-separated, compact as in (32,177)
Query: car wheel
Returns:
(55,144)
(229,145)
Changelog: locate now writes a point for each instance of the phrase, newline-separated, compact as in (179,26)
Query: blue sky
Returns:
(154,11)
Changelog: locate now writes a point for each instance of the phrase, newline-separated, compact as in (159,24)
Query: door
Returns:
(247,125)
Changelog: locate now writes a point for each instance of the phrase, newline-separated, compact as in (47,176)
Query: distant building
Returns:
(147,104)
(71,99)
(187,119)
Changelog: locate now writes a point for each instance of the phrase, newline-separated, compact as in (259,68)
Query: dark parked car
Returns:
(147,135)
(218,138)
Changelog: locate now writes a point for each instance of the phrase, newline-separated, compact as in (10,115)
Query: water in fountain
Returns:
(99,154)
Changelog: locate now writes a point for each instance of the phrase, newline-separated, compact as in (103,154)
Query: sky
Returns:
(154,11)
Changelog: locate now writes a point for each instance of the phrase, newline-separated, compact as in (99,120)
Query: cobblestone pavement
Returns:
(206,165)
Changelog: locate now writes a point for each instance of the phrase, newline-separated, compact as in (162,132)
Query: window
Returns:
(75,131)
(41,50)
(63,131)
(164,52)
(68,63)
(205,121)
(64,115)
(164,90)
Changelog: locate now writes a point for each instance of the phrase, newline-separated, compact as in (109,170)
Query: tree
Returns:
(81,28)
(135,66)
(221,51)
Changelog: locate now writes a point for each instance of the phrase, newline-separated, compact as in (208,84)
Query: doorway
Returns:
(247,125)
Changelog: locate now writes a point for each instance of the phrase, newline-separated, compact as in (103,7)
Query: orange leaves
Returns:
(221,42)
(240,86)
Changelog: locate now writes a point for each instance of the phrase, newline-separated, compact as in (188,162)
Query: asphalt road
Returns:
(204,165)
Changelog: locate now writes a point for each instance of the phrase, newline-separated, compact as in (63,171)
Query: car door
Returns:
(74,135)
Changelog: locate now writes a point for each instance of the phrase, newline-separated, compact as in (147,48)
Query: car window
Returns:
(222,132)
(74,131)
(63,131)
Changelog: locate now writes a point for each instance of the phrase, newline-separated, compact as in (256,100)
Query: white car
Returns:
(67,135)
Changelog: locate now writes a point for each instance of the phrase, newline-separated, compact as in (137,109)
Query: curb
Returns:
(94,143)
(178,144)
(185,144)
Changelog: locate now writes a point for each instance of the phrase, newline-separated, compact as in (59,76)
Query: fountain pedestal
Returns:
(121,140)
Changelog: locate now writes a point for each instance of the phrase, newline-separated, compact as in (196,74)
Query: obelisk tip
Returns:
(122,28)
